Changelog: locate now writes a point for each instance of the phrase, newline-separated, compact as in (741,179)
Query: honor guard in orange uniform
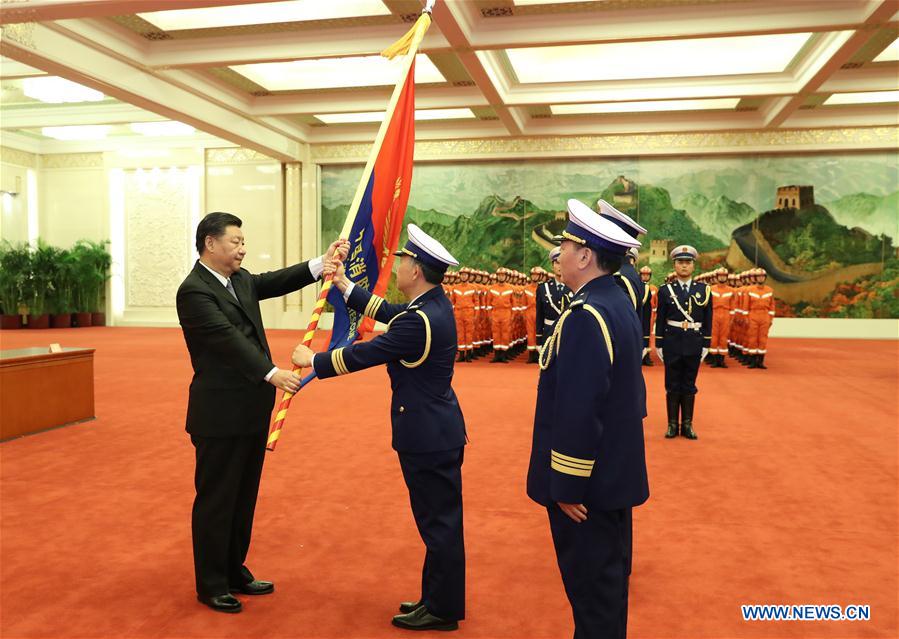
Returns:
(530,313)
(761,316)
(741,317)
(647,309)
(501,319)
(722,306)
(463,304)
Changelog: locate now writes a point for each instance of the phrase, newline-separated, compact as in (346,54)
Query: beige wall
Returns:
(14,208)
(73,203)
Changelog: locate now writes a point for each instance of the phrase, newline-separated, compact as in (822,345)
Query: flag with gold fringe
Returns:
(375,218)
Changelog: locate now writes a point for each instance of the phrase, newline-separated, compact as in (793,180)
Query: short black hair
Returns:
(431,276)
(214,225)
(607,261)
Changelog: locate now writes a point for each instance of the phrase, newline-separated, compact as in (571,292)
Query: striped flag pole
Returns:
(408,46)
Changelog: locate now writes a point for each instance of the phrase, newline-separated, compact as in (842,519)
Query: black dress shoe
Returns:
(221,603)
(421,619)
(255,587)
(409,606)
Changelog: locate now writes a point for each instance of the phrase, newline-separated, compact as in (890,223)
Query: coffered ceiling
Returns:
(276,75)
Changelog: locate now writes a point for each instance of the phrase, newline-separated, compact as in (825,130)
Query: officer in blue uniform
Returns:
(552,296)
(646,315)
(627,277)
(419,348)
(683,336)
(587,463)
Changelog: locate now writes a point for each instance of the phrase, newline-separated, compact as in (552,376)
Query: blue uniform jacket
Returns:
(695,301)
(629,280)
(591,399)
(419,348)
(552,298)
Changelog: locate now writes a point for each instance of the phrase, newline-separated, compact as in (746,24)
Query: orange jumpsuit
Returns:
(530,315)
(722,305)
(501,315)
(761,315)
(464,303)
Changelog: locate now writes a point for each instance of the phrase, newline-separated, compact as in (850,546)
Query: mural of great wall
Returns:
(823,227)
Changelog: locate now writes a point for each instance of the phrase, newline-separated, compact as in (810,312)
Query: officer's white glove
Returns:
(659,353)
(645,351)
(705,352)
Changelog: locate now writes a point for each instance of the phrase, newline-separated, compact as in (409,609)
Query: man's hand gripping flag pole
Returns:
(408,46)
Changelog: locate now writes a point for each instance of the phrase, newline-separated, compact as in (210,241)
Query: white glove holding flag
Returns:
(705,352)
(659,353)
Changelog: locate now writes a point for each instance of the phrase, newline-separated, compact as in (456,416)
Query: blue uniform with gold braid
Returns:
(629,281)
(682,335)
(588,436)
(419,348)
(552,298)
(683,330)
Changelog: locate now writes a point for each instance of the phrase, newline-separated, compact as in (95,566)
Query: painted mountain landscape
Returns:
(829,252)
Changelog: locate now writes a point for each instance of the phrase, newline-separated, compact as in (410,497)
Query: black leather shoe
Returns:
(687,403)
(421,619)
(221,603)
(409,606)
(255,587)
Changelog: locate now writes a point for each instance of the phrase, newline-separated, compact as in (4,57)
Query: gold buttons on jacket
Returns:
(402,409)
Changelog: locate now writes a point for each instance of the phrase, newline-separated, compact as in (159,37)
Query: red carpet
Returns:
(788,497)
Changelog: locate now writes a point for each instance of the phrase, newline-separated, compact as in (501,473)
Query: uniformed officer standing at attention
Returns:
(419,348)
(552,296)
(587,461)
(683,336)
(649,295)
(627,276)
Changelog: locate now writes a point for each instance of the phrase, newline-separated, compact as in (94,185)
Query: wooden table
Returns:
(41,390)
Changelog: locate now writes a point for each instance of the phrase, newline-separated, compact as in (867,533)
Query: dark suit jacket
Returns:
(228,350)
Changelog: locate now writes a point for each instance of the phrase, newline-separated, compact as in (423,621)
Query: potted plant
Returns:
(60,295)
(38,287)
(82,283)
(97,256)
(14,267)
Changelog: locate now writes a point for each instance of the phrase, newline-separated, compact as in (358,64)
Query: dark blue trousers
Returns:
(594,559)
(434,481)
(680,372)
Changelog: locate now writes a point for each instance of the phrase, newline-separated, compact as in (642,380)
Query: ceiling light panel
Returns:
(657,59)
(162,129)
(332,73)
(378,116)
(868,97)
(646,107)
(85,132)
(263,13)
(890,54)
(55,90)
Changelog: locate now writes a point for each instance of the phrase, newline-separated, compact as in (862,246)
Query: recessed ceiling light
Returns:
(646,107)
(263,13)
(55,90)
(84,132)
(890,54)
(867,97)
(377,116)
(657,59)
(332,73)
(162,129)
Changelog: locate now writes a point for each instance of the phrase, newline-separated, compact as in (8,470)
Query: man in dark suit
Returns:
(683,338)
(231,399)
(588,466)
(419,348)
